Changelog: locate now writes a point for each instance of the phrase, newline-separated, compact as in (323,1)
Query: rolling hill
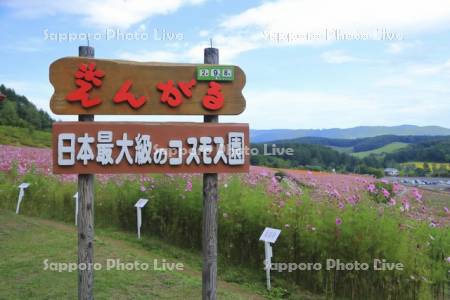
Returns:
(365,144)
(389,148)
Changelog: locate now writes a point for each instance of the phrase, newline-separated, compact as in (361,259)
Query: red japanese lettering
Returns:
(170,94)
(186,87)
(124,95)
(213,100)
(86,78)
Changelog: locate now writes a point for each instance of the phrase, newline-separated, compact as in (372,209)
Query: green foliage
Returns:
(436,151)
(16,110)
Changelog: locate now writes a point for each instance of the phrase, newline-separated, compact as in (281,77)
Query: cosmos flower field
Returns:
(322,216)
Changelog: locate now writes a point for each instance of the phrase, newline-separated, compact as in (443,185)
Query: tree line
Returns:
(17,110)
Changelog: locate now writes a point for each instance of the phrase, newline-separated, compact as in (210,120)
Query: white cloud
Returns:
(398,47)
(105,13)
(339,57)
(285,23)
(314,15)
(394,82)
(429,69)
(142,55)
(229,46)
(333,109)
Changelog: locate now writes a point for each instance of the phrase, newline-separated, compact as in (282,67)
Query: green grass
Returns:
(17,136)
(26,242)
(389,148)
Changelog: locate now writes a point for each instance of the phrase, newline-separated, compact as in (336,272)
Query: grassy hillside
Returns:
(17,136)
(389,148)
(27,242)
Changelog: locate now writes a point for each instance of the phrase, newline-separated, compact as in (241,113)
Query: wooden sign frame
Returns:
(87,86)
(127,147)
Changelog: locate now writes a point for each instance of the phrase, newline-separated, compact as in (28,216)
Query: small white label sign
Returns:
(24,185)
(270,235)
(141,203)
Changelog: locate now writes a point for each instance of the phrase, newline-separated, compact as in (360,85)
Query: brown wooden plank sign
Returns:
(114,87)
(114,147)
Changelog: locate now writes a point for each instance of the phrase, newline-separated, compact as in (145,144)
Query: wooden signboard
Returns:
(114,147)
(87,86)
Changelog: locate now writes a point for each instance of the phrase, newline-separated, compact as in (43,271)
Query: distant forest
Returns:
(308,154)
(17,110)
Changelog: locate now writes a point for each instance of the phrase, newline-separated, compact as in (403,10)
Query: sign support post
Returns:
(268,262)
(139,205)
(209,224)
(86,216)
(269,235)
(22,188)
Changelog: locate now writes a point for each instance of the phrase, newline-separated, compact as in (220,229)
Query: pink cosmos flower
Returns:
(338,221)
(372,188)
(405,204)
(385,192)
(417,195)
(188,186)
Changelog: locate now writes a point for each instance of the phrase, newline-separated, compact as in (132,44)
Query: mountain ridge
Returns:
(267,135)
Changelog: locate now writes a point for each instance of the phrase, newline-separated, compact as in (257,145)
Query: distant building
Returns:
(391,172)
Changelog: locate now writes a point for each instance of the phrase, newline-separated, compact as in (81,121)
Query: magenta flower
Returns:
(446,210)
(405,204)
(188,187)
(417,195)
(341,205)
(338,221)
(385,193)
(372,188)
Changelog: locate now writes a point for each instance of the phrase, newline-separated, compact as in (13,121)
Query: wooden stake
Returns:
(209,225)
(86,217)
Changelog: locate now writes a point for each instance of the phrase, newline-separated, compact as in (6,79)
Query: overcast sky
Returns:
(309,63)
